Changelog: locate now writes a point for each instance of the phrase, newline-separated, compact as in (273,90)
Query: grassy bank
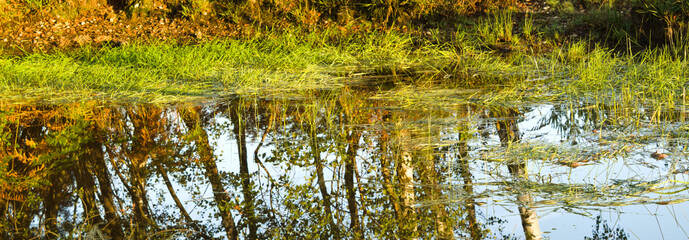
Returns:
(518,54)
(169,72)
(165,70)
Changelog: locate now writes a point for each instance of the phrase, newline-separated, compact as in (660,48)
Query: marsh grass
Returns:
(284,61)
(497,29)
(303,59)
(291,60)
(528,28)
(651,77)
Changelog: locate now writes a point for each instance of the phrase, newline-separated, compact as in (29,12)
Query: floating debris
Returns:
(658,155)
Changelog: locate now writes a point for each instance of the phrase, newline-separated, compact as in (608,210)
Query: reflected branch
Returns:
(191,118)
(508,132)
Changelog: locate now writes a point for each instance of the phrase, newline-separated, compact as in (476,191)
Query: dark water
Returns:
(343,164)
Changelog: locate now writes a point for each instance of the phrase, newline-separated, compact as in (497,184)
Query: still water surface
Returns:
(350,163)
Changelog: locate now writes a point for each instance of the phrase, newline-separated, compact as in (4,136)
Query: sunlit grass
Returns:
(297,59)
(498,28)
(602,75)
(292,60)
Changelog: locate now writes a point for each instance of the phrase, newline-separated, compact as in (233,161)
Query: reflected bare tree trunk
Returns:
(350,166)
(508,131)
(474,228)
(429,177)
(86,184)
(92,165)
(168,184)
(4,223)
(389,187)
(350,153)
(51,203)
(239,131)
(396,151)
(162,172)
(144,121)
(99,169)
(405,176)
(318,162)
(529,218)
(207,161)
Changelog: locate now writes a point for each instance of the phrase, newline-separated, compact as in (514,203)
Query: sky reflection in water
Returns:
(578,164)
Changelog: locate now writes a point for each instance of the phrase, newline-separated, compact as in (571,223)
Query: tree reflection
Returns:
(194,121)
(474,227)
(239,129)
(508,132)
(331,165)
(116,164)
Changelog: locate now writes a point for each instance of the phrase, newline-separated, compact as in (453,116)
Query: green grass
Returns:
(306,59)
(497,29)
(153,72)
(599,73)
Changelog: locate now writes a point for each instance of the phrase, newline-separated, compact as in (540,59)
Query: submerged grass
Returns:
(581,176)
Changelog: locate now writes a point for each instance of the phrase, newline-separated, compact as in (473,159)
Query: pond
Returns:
(392,160)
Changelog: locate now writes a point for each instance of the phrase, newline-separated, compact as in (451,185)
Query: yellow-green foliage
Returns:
(497,28)
(288,60)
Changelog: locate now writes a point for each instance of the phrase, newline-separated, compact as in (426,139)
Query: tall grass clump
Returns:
(588,73)
(528,29)
(497,28)
(653,76)
(659,75)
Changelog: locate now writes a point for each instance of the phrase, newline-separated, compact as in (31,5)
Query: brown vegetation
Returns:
(42,25)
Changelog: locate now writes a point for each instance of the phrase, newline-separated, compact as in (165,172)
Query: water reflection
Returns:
(508,132)
(332,164)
